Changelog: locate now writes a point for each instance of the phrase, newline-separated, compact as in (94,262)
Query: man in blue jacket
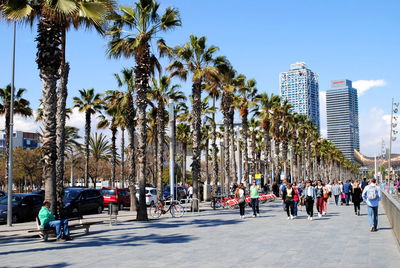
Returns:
(347,191)
(372,195)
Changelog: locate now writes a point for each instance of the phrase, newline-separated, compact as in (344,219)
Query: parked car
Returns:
(80,201)
(151,195)
(24,207)
(116,195)
(180,192)
(2,194)
(39,192)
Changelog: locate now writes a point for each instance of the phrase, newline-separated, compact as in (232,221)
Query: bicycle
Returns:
(176,210)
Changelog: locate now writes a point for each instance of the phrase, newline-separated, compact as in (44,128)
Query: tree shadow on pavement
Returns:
(127,240)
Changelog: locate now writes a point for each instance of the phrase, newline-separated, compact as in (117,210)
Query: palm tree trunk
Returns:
(253,151)
(196,93)
(142,76)
(233,169)
(214,177)
(184,154)
(160,153)
(226,155)
(207,171)
(130,124)
(87,152)
(62,94)
(48,59)
(267,151)
(154,161)
(277,166)
(123,156)
(113,152)
(245,129)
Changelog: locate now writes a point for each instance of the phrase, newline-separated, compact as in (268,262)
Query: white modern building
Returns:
(300,87)
(342,117)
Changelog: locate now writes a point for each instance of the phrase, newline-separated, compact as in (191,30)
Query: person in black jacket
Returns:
(356,196)
(275,189)
(287,196)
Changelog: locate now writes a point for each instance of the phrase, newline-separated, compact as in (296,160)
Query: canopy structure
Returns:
(382,160)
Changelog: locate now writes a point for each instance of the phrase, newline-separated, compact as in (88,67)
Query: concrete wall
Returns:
(392,209)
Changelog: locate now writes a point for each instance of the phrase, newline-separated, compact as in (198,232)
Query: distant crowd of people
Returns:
(309,193)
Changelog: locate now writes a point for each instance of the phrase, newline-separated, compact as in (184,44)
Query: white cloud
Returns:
(364,85)
(21,123)
(375,126)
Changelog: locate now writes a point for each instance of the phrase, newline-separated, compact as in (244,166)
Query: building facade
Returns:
(342,117)
(300,88)
(26,140)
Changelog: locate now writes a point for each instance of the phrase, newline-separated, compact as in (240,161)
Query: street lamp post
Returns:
(10,154)
(393,132)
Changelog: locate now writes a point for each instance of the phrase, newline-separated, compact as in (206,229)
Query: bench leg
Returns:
(87,230)
(45,237)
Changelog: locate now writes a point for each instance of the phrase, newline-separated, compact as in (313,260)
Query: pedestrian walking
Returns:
(364,183)
(336,192)
(254,194)
(275,189)
(372,195)
(347,192)
(288,197)
(296,198)
(325,199)
(319,192)
(240,197)
(356,196)
(309,197)
(190,191)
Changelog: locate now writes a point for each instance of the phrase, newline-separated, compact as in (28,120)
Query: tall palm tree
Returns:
(183,135)
(127,79)
(243,102)
(89,103)
(21,107)
(161,92)
(196,58)
(111,109)
(131,34)
(54,18)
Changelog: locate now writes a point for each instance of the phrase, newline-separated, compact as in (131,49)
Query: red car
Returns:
(116,195)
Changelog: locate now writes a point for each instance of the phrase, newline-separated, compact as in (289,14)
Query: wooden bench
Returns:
(45,232)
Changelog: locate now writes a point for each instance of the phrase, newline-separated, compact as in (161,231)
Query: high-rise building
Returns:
(300,87)
(342,117)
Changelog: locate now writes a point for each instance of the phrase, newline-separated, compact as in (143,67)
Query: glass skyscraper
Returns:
(300,87)
(342,117)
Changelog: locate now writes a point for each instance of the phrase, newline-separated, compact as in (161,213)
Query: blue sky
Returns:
(357,40)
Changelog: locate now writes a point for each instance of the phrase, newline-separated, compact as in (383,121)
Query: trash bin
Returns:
(113,209)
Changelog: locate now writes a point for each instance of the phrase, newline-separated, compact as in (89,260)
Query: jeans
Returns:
(290,205)
(347,198)
(241,208)
(254,206)
(337,200)
(58,225)
(319,204)
(373,216)
(309,207)
(296,203)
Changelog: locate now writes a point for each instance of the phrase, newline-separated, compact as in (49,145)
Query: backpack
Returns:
(372,192)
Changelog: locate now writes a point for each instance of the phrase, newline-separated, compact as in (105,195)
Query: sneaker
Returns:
(258,214)
(254,216)
(68,238)
(60,240)
(291,217)
(372,229)
(358,213)
(324,213)
(288,218)
(319,215)
(310,218)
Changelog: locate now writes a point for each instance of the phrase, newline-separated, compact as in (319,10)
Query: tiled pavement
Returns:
(217,239)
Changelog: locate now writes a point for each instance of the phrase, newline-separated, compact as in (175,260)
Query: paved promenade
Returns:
(217,239)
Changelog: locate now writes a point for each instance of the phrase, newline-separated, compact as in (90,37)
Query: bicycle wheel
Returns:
(155,211)
(177,211)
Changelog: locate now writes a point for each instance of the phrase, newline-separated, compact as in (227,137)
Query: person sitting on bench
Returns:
(47,219)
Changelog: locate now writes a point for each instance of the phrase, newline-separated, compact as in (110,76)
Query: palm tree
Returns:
(253,132)
(161,92)
(131,34)
(21,107)
(111,109)
(100,149)
(244,101)
(183,135)
(89,103)
(71,145)
(54,18)
(195,57)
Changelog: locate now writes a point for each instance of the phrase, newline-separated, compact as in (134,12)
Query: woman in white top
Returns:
(240,197)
